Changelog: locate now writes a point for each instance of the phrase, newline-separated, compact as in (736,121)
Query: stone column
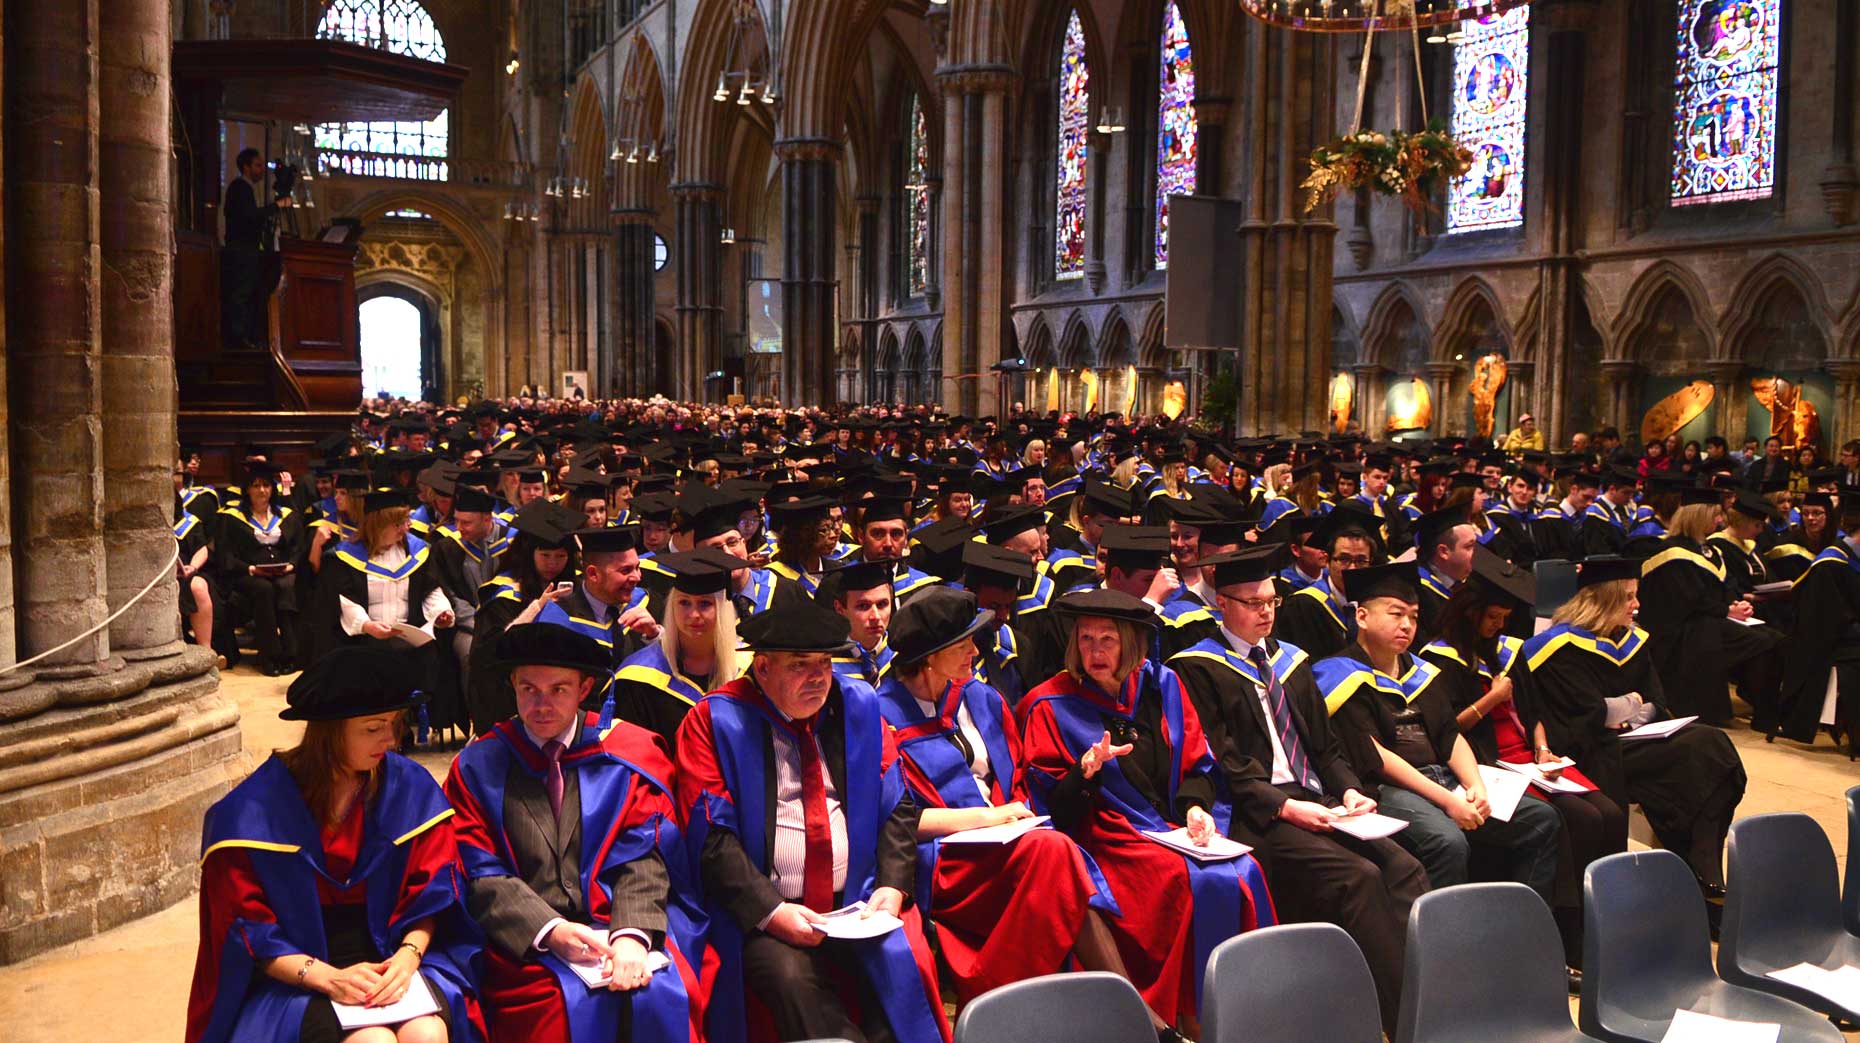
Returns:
(1367,400)
(7,652)
(634,330)
(1559,280)
(699,257)
(957,261)
(1620,374)
(1524,393)
(1439,385)
(975,273)
(138,325)
(810,223)
(1723,374)
(1845,423)
(980,388)
(54,327)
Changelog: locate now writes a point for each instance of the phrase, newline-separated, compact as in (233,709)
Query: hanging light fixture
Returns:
(1111,120)
(652,153)
(728,236)
(747,94)
(1341,16)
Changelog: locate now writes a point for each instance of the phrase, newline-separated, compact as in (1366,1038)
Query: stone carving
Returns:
(1488,380)
(1342,400)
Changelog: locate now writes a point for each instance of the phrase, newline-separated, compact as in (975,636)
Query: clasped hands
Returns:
(367,984)
(625,956)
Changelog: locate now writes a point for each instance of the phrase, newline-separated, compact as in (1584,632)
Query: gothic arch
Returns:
(641,121)
(1115,350)
(890,362)
(1075,344)
(1471,309)
(1397,304)
(914,367)
(1039,353)
(705,127)
(822,41)
(1152,353)
(588,155)
(1649,294)
(1757,291)
(444,208)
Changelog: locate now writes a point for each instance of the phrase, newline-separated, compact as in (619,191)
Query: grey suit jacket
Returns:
(548,883)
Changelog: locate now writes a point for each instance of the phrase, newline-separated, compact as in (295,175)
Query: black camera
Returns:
(283,178)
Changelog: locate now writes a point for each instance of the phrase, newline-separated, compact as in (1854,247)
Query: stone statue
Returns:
(1487,380)
(1342,398)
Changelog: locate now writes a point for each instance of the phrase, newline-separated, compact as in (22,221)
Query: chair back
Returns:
(1086,1007)
(1294,983)
(1850,893)
(1484,962)
(1646,948)
(1783,897)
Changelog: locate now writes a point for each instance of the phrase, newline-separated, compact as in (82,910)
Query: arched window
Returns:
(1074,119)
(385,148)
(917,200)
(1175,125)
(1491,80)
(1724,100)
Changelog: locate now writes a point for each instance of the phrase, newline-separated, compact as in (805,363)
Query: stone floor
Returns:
(135,978)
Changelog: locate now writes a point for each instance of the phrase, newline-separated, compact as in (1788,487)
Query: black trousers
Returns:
(1365,887)
(268,597)
(1594,826)
(802,990)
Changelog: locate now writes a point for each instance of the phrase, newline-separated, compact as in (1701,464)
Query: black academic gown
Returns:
(1696,648)
(1688,785)
(1826,636)
(1315,622)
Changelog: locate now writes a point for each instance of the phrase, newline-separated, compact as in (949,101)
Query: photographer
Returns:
(246,277)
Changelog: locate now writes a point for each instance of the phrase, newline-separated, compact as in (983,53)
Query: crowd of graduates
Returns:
(716,673)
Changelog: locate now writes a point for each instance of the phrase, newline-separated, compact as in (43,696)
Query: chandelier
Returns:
(1355,16)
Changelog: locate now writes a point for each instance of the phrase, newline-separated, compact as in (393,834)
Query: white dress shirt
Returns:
(978,768)
(387,598)
(1281,765)
(789,867)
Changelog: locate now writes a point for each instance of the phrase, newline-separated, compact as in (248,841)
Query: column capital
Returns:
(1368,369)
(1618,368)
(978,79)
(697,192)
(633,216)
(1724,371)
(1213,110)
(1843,369)
(821,150)
(1440,369)
(1568,16)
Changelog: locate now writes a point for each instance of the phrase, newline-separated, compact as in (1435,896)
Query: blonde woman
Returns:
(1035,453)
(1695,620)
(1593,678)
(695,652)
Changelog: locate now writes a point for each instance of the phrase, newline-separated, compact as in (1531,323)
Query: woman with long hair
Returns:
(332,876)
(695,652)
(808,536)
(539,566)
(1593,678)
(1114,749)
(258,550)
(1488,683)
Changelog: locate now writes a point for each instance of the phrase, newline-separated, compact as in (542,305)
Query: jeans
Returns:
(1526,845)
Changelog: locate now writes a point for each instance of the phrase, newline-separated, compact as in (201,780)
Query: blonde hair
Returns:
(1275,478)
(376,524)
(1026,456)
(1594,608)
(726,666)
(1694,521)
(1125,473)
(1133,648)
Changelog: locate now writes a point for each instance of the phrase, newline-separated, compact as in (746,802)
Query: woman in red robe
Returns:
(1114,750)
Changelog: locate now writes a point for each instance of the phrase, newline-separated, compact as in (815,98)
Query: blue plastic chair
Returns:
(1850,893)
(1783,907)
(1484,965)
(1295,983)
(1088,1007)
(1646,953)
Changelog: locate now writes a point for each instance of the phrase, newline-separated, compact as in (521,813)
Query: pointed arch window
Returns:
(1724,100)
(385,148)
(917,200)
(1176,131)
(1491,87)
(1074,119)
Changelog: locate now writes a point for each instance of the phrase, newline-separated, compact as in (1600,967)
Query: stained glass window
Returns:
(917,199)
(1175,125)
(1074,120)
(384,148)
(1724,101)
(1491,77)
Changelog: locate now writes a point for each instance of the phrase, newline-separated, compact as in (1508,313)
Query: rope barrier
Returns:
(165,570)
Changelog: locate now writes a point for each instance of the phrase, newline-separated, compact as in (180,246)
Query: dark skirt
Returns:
(346,927)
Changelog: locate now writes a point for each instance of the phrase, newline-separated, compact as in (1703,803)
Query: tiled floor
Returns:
(136,977)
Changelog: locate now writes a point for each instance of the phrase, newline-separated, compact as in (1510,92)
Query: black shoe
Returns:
(1575,982)
(1169,1035)
(1714,893)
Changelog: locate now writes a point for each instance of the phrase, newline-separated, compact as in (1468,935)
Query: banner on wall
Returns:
(1089,378)
(1488,380)
(1792,416)
(1671,414)
(1342,400)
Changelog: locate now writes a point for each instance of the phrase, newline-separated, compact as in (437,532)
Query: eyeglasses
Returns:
(1255,604)
(1355,561)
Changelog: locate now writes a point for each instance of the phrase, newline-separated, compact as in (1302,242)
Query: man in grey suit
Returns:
(565,833)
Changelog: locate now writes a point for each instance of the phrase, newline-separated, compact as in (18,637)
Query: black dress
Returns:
(271,598)
(1696,648)
(1688,785)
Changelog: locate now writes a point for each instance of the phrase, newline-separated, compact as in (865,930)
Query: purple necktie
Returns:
(553,780)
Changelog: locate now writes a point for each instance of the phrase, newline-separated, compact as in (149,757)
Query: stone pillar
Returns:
(1723,374)
(1620,374)
(1440,385)
(980,388)
(7,622)
(1524,393)
(957,261)
(138,325)
(699,257)
(634,328)
(54,327)
(975,273)
(1560,280)
(1211,138)
(1367,402)
(1845,423)
(1285,285)
(810,223)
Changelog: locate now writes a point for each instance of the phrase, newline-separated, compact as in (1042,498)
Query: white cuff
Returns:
(642,937)
(544,934)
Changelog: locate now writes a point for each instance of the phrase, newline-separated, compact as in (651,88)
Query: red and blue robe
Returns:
(1005,911)
(262,860)
(723,783)
(1175,910)
(626,812)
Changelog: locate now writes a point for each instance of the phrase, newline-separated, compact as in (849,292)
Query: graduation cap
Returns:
(473,499)
(1104,498)
(1823,500)
(1105,603)
(802,625)
(986,565)
(1621,475)
(1752,506)
(545,644)
(1400,579)
(1697,496)
(353,481)
(1605,568)
(353,681)
(1583,479)
(1431,527)
(703,571)
(1825,476)
(550,524)
(652,507)
(1134,547)
(939,546)
(1439,467)
(1004,525)
(850,576)
(257,469)
(1249,564)
(1466,480)
(883,509)
(1343,520)
(388,500)
(808,510)
(1505,578)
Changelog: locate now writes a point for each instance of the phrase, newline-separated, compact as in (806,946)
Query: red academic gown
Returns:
(1174,910)
(1004,912)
